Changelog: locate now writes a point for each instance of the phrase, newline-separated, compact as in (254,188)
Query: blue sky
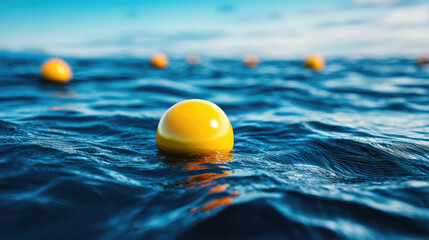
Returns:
(270,28)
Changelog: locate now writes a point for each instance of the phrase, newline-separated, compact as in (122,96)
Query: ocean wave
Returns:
(332,155)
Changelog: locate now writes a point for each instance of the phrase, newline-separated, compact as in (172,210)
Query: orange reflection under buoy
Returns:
(207,181)
(58,108)
(64,93)
(217,203)
(218,188)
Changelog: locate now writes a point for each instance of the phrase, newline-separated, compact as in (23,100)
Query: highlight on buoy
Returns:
(423,60)
(195,127)
(251,60)
(56,70)
(193,59)
(159,60)
(315,62)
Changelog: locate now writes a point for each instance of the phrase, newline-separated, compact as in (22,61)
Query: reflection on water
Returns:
(214,167)
(58,108)
(66,92)
(55,90)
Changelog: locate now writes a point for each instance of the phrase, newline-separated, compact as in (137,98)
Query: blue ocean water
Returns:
(342,154)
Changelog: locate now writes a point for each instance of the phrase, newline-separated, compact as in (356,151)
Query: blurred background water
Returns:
(338,154)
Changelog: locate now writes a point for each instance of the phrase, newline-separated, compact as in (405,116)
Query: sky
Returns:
(270,28)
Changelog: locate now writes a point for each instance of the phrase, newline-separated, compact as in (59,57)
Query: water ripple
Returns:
(342,154)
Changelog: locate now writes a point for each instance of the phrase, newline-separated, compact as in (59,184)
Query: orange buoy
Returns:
(251,60)
(423,60)
(159,60)
(193,59)
(315,62)
(56,70)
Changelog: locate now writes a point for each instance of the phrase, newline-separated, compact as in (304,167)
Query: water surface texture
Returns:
(343,154)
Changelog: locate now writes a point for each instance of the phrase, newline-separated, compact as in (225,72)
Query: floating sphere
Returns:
(251,60)
(159,60)
(56,70)
(195,127)
(423,60)
(315,62)
(193,59)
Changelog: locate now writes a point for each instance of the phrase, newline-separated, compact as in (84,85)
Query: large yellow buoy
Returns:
(315,62)
(251,60)
(159,60)
(56,70)
(195,127)
(193,59)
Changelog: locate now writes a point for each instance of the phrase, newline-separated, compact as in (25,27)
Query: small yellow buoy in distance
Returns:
(251,60)
(423,60)
(315,62)
(193,59)
(195,127)
(56,70)
(159,60)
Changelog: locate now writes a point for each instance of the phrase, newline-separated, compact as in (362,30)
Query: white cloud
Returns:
(355,32)
(408,16)
(376,2)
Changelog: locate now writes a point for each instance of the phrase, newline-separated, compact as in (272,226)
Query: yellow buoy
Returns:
(193,59)
(159,60)
(315,62)
(56,70)
(195,127)
(251,60)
